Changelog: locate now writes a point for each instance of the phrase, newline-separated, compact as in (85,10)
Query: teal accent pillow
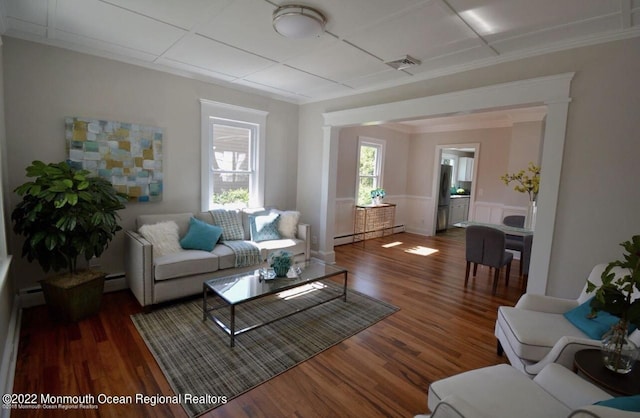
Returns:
(201,236)
(593,327)
(625,403)
(264,227)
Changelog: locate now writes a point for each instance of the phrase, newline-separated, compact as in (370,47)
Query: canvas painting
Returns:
(126,154)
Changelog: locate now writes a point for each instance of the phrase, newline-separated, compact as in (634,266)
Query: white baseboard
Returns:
(10,353)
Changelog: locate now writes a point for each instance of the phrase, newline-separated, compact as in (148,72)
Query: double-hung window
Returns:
(232,156)
(370,168)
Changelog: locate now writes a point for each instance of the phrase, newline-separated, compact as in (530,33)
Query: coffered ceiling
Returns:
(232,42)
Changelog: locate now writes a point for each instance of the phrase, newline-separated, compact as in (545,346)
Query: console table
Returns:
(373,221)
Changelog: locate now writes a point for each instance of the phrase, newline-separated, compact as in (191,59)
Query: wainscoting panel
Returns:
(493,212)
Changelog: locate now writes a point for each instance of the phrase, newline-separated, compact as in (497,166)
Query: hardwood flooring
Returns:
(384,371)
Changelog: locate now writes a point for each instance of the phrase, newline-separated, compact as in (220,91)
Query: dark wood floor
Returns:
(384,371)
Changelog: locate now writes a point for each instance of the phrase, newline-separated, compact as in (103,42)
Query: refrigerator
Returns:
(444,196)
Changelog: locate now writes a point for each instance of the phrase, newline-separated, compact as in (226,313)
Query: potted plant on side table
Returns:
(620,279)
(66,213)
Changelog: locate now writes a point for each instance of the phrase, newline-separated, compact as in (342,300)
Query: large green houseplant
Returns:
(66,213)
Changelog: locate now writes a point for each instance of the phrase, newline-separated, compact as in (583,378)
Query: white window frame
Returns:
(372,142)
(212,112)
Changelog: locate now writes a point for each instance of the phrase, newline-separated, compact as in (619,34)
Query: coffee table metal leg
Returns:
(233,325)
(204,302)
(345,286)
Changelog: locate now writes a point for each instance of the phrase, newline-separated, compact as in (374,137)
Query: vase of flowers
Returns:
(526,182)
(281,262)
(615,296)
(377,195)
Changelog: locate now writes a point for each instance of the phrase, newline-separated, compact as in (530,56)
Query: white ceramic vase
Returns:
(530,218)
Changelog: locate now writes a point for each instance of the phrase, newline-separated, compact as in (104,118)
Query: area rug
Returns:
(205,372)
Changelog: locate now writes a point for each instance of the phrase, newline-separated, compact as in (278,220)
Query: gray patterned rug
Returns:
(205,372)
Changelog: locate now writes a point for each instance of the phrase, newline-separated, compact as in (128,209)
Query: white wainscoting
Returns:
(493,212)
(417,215)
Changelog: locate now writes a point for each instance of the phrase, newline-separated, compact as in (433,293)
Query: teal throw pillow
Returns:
(593,327)
(264,227)
(201,236)
(625,403)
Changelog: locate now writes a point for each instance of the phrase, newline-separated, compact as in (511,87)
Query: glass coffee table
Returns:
(232,291)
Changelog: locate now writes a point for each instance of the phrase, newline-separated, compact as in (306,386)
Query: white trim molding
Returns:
(217,110)
(552,91)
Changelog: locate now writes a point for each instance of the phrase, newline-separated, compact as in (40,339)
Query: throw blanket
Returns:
(247,254)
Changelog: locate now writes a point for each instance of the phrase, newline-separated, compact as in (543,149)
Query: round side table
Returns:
(589,363)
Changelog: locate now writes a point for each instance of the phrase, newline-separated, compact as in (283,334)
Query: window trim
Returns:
(210,111)
(381,144)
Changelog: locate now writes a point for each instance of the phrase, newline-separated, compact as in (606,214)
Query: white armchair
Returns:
(503,392)
(535,332)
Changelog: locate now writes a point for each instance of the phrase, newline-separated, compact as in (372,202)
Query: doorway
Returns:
(552,91)
(458,163)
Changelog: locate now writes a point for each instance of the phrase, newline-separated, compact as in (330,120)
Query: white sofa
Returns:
(503,392)
(179,274)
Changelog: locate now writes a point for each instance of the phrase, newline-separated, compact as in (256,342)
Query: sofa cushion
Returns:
(231,223)
(163,236)
(294,246)
(182,219)
(288,225)
(201,236)
(184,263)
(594,327)
(264,227)
(532,334)
(226,257)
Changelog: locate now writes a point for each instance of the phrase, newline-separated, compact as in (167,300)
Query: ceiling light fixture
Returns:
(297,21)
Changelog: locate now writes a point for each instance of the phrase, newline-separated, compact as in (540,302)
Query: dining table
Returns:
(510,230)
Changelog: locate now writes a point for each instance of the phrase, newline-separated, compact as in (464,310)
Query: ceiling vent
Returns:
(404,62)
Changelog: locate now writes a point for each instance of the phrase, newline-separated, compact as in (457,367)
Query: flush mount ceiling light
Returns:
(297,21)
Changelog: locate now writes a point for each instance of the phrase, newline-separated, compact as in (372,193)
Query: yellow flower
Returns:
(526,183)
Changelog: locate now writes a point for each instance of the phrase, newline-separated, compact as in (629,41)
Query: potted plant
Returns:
(280,262)
(615,296)
(66,213)
(377,195)
(526,183)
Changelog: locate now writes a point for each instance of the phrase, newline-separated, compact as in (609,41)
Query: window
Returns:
(232,156)
(370,167)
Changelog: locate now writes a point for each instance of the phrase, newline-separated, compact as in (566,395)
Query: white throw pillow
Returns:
(288,225)
(163,236)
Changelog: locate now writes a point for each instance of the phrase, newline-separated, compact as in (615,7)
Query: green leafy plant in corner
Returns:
(65,213)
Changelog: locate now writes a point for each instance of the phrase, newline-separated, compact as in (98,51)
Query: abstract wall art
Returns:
(126,154)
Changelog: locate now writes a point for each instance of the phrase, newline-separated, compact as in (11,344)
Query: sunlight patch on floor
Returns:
(420,250)
(300,291)
(392,244)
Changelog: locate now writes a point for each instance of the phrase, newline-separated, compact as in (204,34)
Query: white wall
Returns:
(599,201)
(44,84)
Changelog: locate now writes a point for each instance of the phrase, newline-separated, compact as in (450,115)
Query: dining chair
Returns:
(486,245)
(514,242)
